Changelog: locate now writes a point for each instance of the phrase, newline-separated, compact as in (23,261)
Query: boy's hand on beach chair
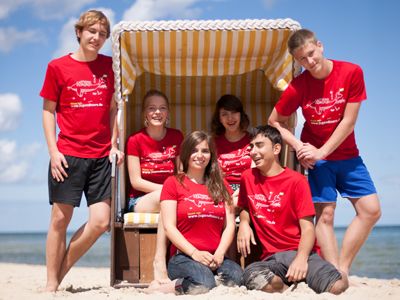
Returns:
(244,237)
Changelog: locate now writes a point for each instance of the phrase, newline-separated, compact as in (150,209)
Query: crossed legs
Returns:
(60,259)
(368,212)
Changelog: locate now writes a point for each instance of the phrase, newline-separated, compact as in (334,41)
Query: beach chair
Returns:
(193,63)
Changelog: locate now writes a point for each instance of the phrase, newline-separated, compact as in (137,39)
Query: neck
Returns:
(82,55)
(234,136)
(156,132)
(272,170)
(196,176)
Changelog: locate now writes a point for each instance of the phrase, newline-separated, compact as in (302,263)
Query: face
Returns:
(310,56)
(200,156)
(93,37)
(156,111)
(230,120)
(263,152)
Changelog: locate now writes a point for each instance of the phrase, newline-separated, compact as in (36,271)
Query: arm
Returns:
(245,234)
(227,236)
(114,134)
(57,159)
(135,177)
(342,131)
(298,268)
(168,214)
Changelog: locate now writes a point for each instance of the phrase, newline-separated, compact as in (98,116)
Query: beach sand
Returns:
(18,281)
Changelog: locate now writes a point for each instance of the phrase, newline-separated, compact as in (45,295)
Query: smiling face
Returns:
(310,56)
(230,120)
(156,111)
(92,37)
(263,152)
(200,157)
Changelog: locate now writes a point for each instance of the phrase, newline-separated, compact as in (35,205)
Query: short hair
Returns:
(89,18)
(230,103)
(151,93)
(269,132)
(299,38)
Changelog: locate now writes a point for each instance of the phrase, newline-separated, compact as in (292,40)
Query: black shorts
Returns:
(91,176)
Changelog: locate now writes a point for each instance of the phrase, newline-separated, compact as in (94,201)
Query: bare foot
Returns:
(157,286)
(160,271)
(50,288)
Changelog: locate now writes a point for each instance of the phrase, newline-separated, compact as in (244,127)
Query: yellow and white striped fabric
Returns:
(196,62)
(140,218)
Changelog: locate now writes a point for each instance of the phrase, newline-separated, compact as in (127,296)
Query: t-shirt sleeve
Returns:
(357,90)
(290,100)
(51,90)
(132,146)
(179,140)
(304,204)
(169,189)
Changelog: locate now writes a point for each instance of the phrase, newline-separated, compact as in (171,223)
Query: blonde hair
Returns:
(89,18)
(299,38)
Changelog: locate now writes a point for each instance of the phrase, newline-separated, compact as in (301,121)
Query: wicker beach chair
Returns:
(193,63)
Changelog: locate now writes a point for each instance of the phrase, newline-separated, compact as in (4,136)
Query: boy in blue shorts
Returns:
(330,93)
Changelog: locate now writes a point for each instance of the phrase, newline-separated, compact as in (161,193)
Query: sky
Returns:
(32,32)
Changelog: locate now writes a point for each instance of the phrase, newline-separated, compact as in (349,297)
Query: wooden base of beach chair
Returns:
(132,254)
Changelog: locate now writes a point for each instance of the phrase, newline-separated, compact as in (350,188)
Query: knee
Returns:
(100,225)
(371,212)
(327,216)
(199,286)
(59,222)
(339,287)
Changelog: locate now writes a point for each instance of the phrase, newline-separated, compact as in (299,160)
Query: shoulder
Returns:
(295,176)
(105,58)
(137,135)
(347,66)
(174,132)
(60,61)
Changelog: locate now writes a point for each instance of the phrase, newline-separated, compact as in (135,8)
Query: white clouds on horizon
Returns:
(44,9)
(10,38)
(10,111)
(143,10)
(15,161)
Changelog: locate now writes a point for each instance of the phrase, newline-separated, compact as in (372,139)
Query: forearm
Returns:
(342,131)
(227,237)
(306,244)
(114,125)
(145,186)
(49,127)
(281,123)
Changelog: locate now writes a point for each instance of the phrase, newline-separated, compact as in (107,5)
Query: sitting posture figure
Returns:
(151,155)
(198,215)
(229,127)
(278,202)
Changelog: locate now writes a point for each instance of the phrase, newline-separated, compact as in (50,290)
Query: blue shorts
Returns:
(350,177)
(132,203)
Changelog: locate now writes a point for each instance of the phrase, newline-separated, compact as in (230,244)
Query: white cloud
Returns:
(67,42)
(10,111)
(15,161)
(269,3)
(10,38)
(8,6)
(157,9)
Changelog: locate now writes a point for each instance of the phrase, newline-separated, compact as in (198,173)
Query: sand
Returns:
(19,281)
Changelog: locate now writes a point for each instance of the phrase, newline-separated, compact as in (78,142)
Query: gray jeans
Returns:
(321,275)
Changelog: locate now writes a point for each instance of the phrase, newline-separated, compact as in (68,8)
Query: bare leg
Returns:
(166,288)
(275,286)
(325,214)
(56,243)
(368,212)
(159,262)
(84,238)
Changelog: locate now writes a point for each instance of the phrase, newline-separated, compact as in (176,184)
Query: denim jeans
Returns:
(196,278)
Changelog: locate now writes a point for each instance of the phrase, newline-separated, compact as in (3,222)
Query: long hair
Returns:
(212,174)
(229,103)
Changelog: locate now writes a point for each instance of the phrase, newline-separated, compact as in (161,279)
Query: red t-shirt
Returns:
(233,157)
(83,92)
(157,158)
(275,205)
(323,102)
(198,219)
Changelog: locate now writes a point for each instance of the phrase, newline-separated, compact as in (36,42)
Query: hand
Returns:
(119,155)
(244,237)
(58,164)
(218,259)
(203,257)
(309,154)
(297,270)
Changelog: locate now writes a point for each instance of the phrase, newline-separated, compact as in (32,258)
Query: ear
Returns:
(277,149)
(320,45)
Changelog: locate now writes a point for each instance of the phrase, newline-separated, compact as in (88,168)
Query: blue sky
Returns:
(32,32)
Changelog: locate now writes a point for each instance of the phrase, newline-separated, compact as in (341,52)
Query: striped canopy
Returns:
(196,62)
